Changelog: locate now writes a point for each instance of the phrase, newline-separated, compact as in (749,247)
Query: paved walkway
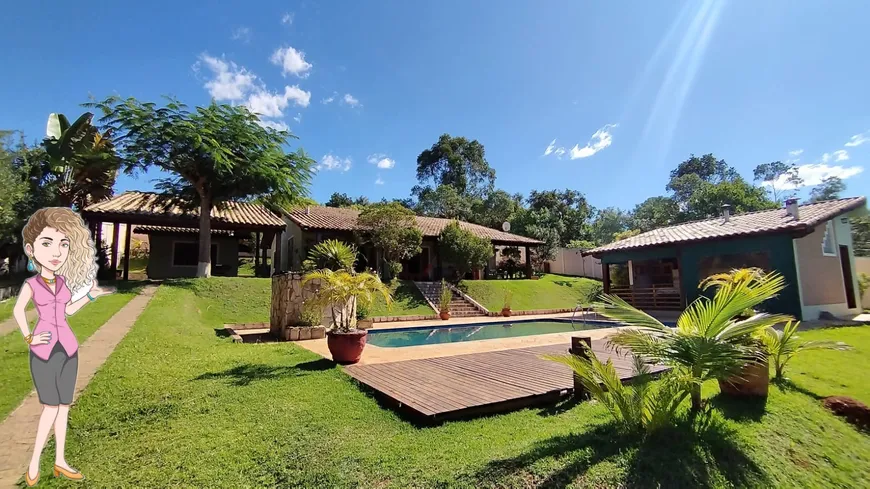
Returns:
(18,430)
(10,325)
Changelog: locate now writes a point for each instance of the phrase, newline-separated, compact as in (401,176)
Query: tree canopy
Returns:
(771,173)
(343,200)
(392,228)
(457,162)
(830,188)
(463,249)
(214,154)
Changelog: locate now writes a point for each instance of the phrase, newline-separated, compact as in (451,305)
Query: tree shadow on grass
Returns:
(407,293)
(788,385)
(561,407)
(740,408)
(688,455)
(248,373)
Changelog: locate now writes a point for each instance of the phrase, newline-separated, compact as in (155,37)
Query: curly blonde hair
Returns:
(80,268)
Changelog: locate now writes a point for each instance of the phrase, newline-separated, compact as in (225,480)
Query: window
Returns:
(186,254)
(829,247)
(711,265)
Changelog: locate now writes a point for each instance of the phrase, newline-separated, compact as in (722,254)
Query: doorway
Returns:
(847,277)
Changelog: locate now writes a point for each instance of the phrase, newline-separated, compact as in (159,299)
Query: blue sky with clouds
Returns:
(602,97)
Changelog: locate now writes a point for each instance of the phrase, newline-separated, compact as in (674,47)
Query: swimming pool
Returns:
(393,338)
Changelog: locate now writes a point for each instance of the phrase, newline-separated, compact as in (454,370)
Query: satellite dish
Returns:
(506,226)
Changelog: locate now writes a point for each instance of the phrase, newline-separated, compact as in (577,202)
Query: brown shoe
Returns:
(30,482)
(73,476)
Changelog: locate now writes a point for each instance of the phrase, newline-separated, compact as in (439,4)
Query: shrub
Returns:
(641,405)
(337,289)
(783,345)
(463,249)
(446,297)
(393,229)
(312,315)
(863,283)
(331,254)
(710,341)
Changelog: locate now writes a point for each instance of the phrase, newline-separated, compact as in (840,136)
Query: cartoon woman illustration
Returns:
(61,252)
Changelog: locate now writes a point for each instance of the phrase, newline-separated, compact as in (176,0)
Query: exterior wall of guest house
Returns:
(176,255)
(680,268)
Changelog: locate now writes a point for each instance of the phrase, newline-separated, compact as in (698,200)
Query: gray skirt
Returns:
(55,378)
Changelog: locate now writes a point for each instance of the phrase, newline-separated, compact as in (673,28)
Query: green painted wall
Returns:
(780,252)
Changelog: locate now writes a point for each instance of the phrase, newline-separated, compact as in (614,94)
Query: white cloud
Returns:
(230,81)
(795,152)
(841,155)
(332,162)
(270,104)
(560,151)
(813,174)
(382,161)
(600,140)
(550,148)
(298,117)
(291,61)
(330,99)
(350,100)
(287,18)
(858,139)
(242,34)
(277,125)
(379,181)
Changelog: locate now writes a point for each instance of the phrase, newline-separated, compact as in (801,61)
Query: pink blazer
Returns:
(51,309)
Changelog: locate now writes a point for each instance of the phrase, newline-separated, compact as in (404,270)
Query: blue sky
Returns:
(626,89)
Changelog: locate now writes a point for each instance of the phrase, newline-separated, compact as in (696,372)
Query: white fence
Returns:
(569,261)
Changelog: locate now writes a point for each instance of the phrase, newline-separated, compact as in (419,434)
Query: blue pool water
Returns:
(486,331)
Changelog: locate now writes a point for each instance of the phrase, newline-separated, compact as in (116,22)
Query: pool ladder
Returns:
(579,306)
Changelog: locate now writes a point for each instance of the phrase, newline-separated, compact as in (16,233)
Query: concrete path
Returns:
(10,325)
(18,430)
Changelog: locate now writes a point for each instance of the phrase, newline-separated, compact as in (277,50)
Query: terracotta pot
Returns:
(346,347)
(753,380)
(445,315)
(506,312)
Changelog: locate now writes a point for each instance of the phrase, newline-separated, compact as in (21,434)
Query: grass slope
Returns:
(407,301)
(177,405)
(14,360)
(549,292)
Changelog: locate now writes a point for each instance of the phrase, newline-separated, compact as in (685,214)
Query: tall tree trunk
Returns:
(695,394)
(203,268)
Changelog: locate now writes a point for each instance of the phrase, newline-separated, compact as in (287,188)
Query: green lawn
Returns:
(407,301)
(14,358)
(179,405)
(549,292)
(6,309)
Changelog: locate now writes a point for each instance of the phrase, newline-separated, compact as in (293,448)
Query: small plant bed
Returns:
(550,292)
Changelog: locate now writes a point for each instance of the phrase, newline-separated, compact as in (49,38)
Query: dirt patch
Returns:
(853,410)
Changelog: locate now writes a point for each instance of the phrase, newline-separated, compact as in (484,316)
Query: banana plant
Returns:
(82,160)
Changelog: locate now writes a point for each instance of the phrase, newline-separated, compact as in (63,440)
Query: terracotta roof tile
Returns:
(345,219)
(745,224)
(152,205)
(173,229)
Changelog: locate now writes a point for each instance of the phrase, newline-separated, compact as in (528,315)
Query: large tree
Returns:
(544,225)
(214,154)
(13,183)
(778,173)
(343,200)
(571,208)
(444,201)
(608,224)
(496,208)
(654,212)
(457,162)
(830,188)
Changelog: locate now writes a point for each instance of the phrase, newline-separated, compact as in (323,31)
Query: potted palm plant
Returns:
(506,307)
(342,292)
(446,299)
(710,340)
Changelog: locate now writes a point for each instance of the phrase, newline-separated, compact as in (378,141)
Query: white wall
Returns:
(569,261)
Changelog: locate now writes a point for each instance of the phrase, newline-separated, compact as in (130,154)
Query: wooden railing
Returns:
(665,298)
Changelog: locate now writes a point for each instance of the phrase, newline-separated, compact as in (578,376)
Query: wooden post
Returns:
(581,346)
(127,252)
(276,259)
(605,277)
(114,263)
(256,253)
(98,234)
(528,262)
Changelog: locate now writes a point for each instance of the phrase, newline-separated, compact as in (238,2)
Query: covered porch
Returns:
(155,211)
(648,284)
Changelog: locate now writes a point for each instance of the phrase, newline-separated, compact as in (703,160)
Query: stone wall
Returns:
(288,299)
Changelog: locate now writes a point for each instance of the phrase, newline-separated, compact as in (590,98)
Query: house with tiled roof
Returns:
(810,245)
(309,225)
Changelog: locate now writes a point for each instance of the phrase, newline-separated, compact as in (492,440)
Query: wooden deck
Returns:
(478,383)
